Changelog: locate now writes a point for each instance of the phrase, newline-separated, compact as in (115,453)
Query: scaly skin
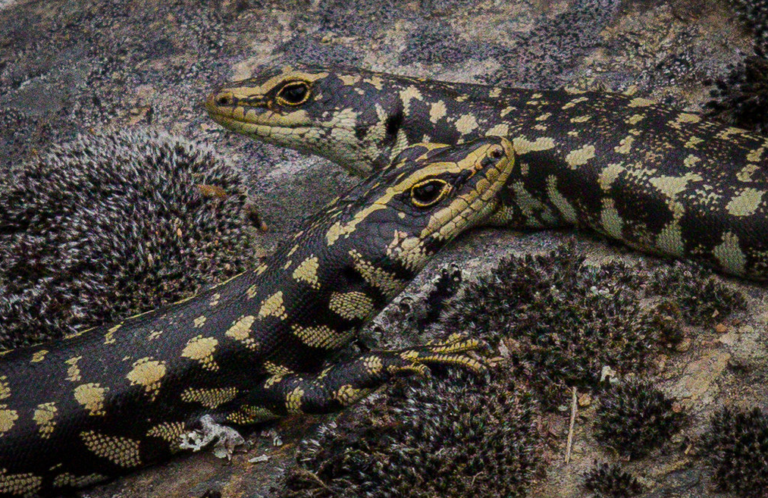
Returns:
(115,398)
(659,180)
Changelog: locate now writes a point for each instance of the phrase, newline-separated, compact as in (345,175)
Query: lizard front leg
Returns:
(346,383)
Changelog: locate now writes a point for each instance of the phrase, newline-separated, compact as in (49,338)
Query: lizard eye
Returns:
(429,192)
(293,93)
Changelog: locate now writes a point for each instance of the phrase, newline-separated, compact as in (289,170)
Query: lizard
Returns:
(106,401)
(659,180)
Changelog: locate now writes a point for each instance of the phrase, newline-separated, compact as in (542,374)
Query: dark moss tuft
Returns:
(736,446)
(609,481)
(754,14)
(701,298)
(563,321)
(458,437)
(113,225)
(741,97)
(634,418)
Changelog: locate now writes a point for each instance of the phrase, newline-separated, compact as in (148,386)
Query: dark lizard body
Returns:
(112,399)
(659,180)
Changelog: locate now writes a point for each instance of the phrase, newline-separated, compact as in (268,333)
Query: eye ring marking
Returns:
(294,93)
(429,192)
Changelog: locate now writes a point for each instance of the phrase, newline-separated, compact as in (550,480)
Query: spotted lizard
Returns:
(659,180)
(106,401)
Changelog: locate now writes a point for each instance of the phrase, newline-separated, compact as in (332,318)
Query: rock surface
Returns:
(69,66)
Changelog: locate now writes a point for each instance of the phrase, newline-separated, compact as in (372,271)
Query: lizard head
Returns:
(398,217)
(351,116)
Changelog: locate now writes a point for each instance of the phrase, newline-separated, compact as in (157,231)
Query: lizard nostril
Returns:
(223,100)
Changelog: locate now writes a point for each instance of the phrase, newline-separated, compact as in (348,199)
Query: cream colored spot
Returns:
(169,432)
(529,205)
(409,250)
(745,175)
(625,146)
(199,321)
(351,305)
(693,142)
(249,414)
(386,282)
(241,329)
(118,450)
(260,269)
(44,418)
(347,395)
(691,161)
(75,481)
(561,203)
(209,398)
(287,264)
(252,291)
(91,397)
(201,349)
(410,93)
(5,388)
(729,254)
(727,132)
(214,300)
(638,102)
(506,111)
(746,203)
(581,119)
(350,79)
(544,117)
(39,356)
(19,484)
(466,124)
(307,272)
(609,175)
(7,419)
(500,130)
(276,370)
(673,185)
(109,337)
(373,364)
(273,306)
(580,156)
(523,145)
(495,92)
(670,240)
(155,334)
(635,118)
(147,373)
(73,372)
(755,155)
(685,117)
(611,220)
(575,101)
(293,400)
(322,336)
(437,111)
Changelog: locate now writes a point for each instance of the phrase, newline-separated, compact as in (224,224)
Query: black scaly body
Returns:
(659,180)
(114,398)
